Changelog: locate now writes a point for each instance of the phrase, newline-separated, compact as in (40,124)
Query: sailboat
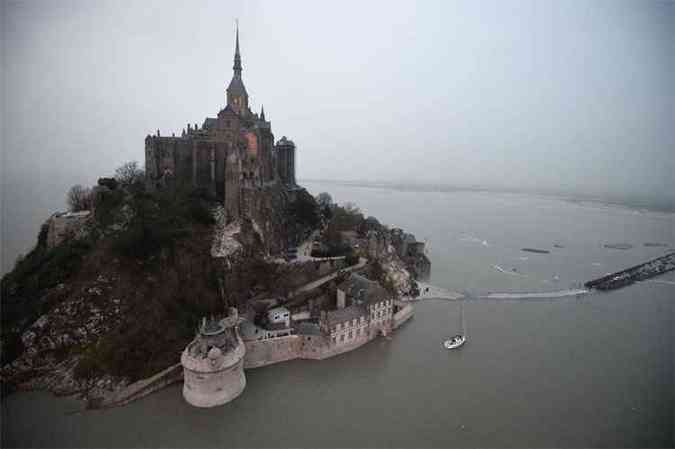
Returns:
(458,340)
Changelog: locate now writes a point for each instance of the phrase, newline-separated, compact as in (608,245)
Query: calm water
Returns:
(596,371)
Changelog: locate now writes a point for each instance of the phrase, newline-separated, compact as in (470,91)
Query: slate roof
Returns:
(209,123)
(347,314)
(307,328)
(372,291)
(236,86)
(248,330)
(227,108)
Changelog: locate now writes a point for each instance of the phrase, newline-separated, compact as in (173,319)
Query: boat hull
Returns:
(454,344)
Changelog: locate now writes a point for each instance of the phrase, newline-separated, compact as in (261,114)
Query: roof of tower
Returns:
(285,141)
(236,86)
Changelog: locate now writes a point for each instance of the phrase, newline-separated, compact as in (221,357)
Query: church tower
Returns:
(237,98)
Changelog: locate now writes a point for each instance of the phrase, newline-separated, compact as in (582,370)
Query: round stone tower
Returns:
(213,364)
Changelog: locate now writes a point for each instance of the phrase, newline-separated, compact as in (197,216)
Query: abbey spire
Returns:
(237,97)
(237,56)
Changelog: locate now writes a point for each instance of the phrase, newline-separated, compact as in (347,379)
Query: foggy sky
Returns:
(529,93)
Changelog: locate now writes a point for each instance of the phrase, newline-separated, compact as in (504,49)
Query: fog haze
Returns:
(570,96)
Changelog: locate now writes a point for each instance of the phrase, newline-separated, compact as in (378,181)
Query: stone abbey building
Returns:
(228,155)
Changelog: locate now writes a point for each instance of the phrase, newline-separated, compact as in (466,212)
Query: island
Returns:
(209,261)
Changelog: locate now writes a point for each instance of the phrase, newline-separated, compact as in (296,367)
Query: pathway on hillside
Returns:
(319,282)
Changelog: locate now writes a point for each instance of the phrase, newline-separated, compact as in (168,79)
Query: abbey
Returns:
(227,155)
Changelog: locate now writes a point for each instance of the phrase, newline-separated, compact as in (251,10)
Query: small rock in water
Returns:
(618,245)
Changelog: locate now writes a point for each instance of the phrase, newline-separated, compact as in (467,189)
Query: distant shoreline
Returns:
(663,206)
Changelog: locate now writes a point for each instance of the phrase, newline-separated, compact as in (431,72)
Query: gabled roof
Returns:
(358,287)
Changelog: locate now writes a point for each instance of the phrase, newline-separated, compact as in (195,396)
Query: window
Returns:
(350,334)
(342,337)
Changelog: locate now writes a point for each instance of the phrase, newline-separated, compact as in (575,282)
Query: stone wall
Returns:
(213,369)
(217,388)
(301,273)
(143,387)
(66,225)
(404,314)
(273,350)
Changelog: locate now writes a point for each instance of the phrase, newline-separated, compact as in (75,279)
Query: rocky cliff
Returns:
(113,300)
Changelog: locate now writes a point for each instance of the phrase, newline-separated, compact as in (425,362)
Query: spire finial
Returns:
(237,55)
(262,113)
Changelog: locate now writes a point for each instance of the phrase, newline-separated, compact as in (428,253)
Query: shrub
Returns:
(107,204)
(324,200)
(200,212)
(305,211)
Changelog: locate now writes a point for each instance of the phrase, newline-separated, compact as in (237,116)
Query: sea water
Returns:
(576,370)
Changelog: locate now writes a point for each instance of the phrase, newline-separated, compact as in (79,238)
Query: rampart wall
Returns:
(314,347)
(402,316)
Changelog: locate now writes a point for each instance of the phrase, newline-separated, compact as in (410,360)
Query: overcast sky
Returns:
(565,94)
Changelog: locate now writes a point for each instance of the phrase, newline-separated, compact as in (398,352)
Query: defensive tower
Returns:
(213,364)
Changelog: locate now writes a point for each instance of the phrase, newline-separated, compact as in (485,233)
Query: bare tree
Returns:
(79,198)
(129,173)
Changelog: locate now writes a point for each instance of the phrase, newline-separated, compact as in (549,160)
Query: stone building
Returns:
(364,310)
(227,154)
(279,315)
(213,363)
